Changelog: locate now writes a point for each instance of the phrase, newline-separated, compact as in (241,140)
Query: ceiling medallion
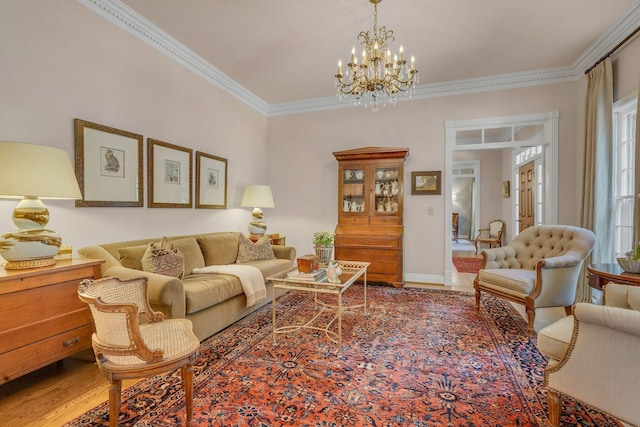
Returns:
(379,77)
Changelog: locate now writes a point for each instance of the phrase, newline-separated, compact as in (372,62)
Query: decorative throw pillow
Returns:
(163,258)
(249,251)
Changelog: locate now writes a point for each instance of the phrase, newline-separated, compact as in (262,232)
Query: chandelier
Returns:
(378,78)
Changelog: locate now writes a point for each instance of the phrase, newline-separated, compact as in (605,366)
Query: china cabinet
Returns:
(370,193)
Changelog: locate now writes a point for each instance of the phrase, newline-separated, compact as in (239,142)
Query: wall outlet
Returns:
(430,210)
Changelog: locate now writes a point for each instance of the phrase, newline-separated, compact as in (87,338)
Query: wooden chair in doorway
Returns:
(492,235)
(454,225)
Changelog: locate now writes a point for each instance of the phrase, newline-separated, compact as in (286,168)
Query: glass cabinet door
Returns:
(386,190)
(353,190)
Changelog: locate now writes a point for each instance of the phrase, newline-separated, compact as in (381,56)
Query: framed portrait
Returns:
(109,166)
(170,175)
(211,181)
(506,189)
(426,183)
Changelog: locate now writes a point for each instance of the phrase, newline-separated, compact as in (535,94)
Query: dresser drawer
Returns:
(366,254)
(41,329)
(33,306)
(371,242)
(22,360)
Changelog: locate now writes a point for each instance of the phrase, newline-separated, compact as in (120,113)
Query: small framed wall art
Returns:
(211,181)
(506,189)
(109,166)
(426,183)
(170,175)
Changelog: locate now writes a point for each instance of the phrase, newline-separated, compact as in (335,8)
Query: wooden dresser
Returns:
(370,205)
(42,320)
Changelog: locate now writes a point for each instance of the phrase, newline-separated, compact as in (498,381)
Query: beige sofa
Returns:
(211,301)
(594,355)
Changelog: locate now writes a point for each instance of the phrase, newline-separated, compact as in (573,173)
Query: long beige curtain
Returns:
(597,190)
(636,204)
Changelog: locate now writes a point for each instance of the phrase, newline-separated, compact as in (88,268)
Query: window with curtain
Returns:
(624,125)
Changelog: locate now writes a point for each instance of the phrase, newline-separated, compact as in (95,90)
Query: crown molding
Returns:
(129,20)
(132,22)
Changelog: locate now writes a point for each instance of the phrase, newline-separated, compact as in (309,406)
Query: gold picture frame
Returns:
(211,181)
(426,183)
(109,166)
(506,189)
(170,172)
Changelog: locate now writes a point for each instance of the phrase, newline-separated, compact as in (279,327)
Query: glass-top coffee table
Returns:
(351,271)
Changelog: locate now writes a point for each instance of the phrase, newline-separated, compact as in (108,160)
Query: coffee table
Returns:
(351,271)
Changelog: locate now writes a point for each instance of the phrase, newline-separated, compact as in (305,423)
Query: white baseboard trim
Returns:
(424,278)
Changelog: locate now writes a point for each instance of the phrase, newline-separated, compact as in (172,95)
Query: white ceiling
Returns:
(286,51)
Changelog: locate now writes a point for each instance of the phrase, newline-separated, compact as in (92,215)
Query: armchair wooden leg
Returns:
(477,301)
(554,401)
(114,401)
(187,383)
(531,315)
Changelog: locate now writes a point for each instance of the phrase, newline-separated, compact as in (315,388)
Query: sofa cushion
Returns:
(269,267)
(219,248)
(131,256)
(192,254)
(163,258)
(515,281)
(553,340)
(249,251)
(206,290)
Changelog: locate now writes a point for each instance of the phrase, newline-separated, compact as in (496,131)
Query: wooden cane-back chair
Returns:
(125,348)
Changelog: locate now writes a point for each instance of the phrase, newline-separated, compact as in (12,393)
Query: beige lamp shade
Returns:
(36,171)
(257,196)
(32,172)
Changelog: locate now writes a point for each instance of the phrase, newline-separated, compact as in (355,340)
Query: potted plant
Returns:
(323,244)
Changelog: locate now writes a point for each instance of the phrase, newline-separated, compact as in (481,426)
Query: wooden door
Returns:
(527,196)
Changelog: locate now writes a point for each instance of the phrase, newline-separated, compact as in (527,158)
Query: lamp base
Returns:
(29,248)
(31,263)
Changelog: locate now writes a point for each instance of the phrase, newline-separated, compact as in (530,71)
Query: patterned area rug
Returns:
(417,358)
(467,265)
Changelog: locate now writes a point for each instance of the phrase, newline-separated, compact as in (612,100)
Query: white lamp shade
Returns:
(257,196)
(36,171)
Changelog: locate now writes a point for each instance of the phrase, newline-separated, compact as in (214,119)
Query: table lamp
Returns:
(257,196)
(32,172)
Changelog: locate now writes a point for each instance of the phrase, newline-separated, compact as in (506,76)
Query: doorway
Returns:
(514,133)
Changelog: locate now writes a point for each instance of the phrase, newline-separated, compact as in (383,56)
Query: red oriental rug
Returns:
(417,358)
(467,265)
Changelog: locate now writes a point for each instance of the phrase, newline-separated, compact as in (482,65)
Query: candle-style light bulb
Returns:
(401,51)
(339,67)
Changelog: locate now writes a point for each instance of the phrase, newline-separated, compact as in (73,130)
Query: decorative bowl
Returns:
(629,265)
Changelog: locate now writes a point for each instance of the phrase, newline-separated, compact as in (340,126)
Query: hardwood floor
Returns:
(60,392)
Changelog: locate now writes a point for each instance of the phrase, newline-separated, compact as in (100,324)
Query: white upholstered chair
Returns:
(594,355)
(126,348)
(539,268)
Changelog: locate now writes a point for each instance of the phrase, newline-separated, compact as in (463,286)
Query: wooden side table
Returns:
(43,320)
(601,274)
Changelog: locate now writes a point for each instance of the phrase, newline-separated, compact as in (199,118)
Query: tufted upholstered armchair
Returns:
(126,348)
(593,355)
(539,268)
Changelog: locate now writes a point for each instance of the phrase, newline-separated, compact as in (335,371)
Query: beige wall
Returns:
(419,125)
(60,60)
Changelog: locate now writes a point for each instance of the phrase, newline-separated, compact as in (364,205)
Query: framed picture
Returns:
(108,166)
(211,181)
(506,189)
(426,183)
(170,175)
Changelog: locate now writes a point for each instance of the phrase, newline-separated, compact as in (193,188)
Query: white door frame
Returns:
(550,144)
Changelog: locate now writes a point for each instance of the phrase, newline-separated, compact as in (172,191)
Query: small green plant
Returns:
(322,238)
(634,254)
